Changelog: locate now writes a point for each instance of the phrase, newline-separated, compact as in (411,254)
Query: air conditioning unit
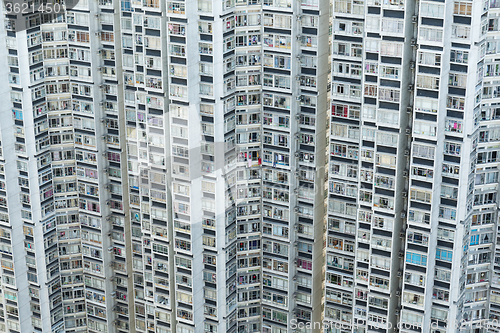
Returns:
(299,37)
(400,273)
(410,87)
(297,154)
(409,109)
(297,78)
(407,152)
(404,194)
(414,19)
(403,215)
(413,42)
(110,249)
(398,292)
(297,116)
(298,98)
(412,64)
(113,294)
(405,173)
(402,234)
(401,254)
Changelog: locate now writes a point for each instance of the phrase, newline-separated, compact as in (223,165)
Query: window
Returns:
(447,213)
(389,95)
(420,195)
(457,80)
(439,314)
(452,148)
(391,49)
(176,7)
(449,192)
(460,31)
(205,6)
(462,57)
(446,234)
(415,279)
(417,238)
(452,125)
(442,274)
(416,258)
(423,151)
(370,90)
(425,128)
(422,172)
(411,318)
(392,26)
(462,8)
(205,48)
(427,81)
(431,9)
(413,298)
(208,241)
(379,282)
(443,254)
(429,58)
(431,34)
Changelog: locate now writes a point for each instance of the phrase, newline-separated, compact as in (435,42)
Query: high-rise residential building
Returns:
(368,166)
(413,176)
(163,165)
(249,166)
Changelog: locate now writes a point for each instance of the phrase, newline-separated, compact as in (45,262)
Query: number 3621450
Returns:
(24,8)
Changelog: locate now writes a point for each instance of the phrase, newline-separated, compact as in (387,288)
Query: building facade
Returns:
(249,166)
(164,166)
